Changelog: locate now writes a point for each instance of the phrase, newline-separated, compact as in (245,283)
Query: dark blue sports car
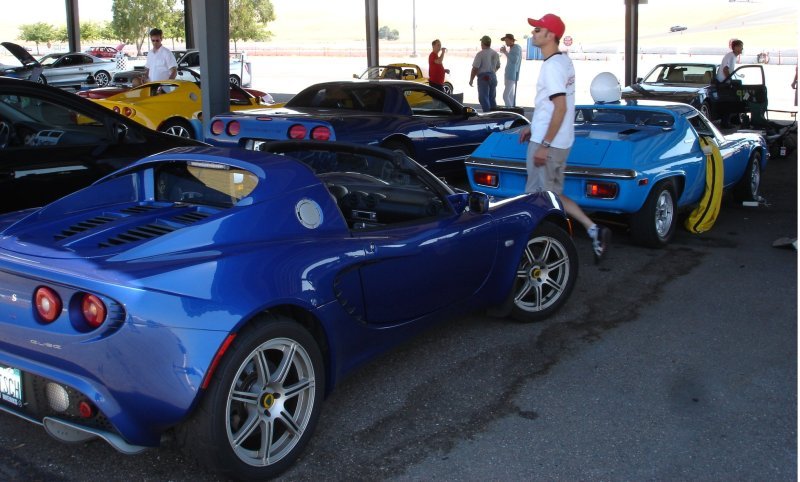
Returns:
(222,293)
(695,84)
(422,122)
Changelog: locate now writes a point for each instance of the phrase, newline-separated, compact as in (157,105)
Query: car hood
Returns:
(24,57)
(669,92)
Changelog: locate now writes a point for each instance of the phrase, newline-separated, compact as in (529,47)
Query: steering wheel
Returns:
(6,134)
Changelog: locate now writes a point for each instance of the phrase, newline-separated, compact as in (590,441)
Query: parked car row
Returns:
(259,269)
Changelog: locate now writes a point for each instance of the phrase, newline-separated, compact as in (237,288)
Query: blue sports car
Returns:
(420,121)
(640,159)
(221,293)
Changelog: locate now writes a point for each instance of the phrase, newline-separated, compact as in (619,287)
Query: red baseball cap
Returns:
(551,22)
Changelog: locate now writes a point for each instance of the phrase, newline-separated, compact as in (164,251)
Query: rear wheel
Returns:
(546,274)
(235,80)
(262,404)
(177,127)
(448,88)
(654,224)
(747,187)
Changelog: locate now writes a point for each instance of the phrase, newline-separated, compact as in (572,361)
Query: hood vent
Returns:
(139,209)
(84,226)
(189,218)
(140,233)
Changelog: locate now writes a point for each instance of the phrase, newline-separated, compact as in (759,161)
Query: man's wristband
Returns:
(545,144)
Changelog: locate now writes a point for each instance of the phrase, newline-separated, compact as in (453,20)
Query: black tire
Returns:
(705,109)
(747,187)
(42,80)
(239,400)
(235,80)
(102,78)
(654,224)
(546,274)
(177,127)
(448,88)
(398,146)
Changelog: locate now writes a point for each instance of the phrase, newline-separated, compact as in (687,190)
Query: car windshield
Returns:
(681,74)
(355,97)
(48,60)
(203,183)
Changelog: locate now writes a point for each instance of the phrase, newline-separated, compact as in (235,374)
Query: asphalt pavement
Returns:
(671,364)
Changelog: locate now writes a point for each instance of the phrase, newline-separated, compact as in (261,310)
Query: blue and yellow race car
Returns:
(642,160)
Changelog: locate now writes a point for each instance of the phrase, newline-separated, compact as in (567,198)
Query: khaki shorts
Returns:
(549,177)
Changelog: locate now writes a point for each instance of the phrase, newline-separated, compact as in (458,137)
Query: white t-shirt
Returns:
(728,61)
(159,62)
(557,76)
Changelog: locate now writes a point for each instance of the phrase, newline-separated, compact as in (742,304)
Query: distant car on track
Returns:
(218,295)
(677,28)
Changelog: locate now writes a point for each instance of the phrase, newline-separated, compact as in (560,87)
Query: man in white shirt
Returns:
(161,64)
(552,130)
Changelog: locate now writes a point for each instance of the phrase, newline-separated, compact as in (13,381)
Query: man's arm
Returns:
(472,75)
(173,72)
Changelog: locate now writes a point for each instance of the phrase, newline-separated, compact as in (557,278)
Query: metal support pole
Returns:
(631,39)
(73,26)
(371,14)
(414,27)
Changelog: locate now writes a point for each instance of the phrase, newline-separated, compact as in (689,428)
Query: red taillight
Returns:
(602,190)
(320,133)
(48,304)
(93,309)
(297,131)
(128,112)
(86,409)
(483,178)
(234,128)
(217,127)
(116,109)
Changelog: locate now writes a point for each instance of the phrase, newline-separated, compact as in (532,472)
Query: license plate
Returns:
(11,385)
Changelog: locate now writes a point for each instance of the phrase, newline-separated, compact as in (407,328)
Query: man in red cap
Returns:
(552,129)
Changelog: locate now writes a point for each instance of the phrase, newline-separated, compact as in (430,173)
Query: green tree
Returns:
(107,32)
(91,31)
(133,19)
(39,32)
(387,33)
(61,34)
(174,26)
(249,19)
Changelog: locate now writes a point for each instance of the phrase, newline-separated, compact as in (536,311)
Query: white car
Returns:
(240,69)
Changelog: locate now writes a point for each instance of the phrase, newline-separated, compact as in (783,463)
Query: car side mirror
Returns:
(478,202)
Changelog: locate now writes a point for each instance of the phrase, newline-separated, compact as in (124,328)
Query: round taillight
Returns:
(217,127)
(234,128)
(297,131)
(86,409)
(116,109)
(93,309)
(320,133)
(48,304)
(128,111)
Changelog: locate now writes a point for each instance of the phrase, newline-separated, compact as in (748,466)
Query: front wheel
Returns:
(448,88)
(705,109)
(177,127)
(747,187)
(102,78)
(546,274)
(263,402)
(234,80)
(654,224)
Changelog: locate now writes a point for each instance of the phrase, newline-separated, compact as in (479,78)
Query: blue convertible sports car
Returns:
(642,160)
(420,121)
(222,293)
